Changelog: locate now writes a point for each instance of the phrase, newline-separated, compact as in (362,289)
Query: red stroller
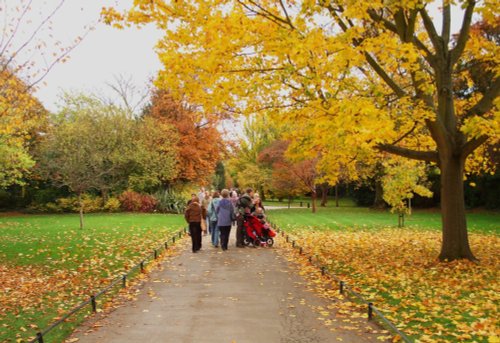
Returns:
(256,232)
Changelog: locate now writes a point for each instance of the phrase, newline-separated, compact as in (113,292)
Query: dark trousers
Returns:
(195,231)
(239,231)
(224,236)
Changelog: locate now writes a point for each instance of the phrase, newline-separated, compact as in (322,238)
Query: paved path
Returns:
(241,295)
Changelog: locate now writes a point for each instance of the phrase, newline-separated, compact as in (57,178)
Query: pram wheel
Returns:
(256,242)
(270,242)
(247,241)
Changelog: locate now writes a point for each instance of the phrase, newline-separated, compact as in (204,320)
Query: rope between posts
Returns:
(92,299)
(344,288)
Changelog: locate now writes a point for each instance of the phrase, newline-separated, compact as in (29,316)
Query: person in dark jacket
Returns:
(225,214)
(194,214)
(245,206)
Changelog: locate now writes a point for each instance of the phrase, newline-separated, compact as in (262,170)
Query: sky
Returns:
(103,54)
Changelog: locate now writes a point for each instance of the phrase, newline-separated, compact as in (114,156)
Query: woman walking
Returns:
(212,217)
(225,216)
(194,214)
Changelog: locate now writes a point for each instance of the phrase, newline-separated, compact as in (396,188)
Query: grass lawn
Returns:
(349,217)
(397,268)
(47,264)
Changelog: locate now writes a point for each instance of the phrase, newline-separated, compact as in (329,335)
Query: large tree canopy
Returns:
(369,75)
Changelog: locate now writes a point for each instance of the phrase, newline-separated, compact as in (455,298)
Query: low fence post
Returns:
(155,254)
(173,239)
(166,245)
(124,280)
(293,244)
(300,250)
(142,266)
(341,287)
(323,270)
(370,311)
(93,302)
(39,337)
(308,205)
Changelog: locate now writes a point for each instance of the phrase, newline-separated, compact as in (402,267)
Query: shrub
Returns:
(135,202)
(90,204)
(67,204)
(112,205)
(170,201)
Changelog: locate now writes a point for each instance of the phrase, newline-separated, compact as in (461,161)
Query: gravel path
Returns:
(241,295)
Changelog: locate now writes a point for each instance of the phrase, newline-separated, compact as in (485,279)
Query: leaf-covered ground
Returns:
(397,270)
(48,265)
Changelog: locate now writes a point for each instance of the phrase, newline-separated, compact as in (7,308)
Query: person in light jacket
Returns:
(225,216)
(212,216)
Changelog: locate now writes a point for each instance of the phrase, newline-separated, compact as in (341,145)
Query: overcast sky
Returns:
(105,51)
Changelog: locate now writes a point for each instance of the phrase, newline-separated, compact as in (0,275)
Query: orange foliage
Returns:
(200,145)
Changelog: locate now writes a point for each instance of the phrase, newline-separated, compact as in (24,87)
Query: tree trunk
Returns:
(80,202)
(313,201)
(455,243)
(379,192)
(324,194)
(105,196)
(336,195)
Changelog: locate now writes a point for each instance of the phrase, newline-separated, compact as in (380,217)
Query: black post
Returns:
(293,244)
(341,287)
(166,245)
(323,270)
(94,304)
(180,233)
(124,280)
(370,311)
(308,205)
(155,254)
(286,238)
(300,250)
(39,337)
(142,266)
(310,259)
(173,239)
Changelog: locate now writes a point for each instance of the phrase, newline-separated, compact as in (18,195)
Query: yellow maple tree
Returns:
(370,75)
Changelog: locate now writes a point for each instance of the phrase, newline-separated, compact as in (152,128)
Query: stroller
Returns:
(256,232)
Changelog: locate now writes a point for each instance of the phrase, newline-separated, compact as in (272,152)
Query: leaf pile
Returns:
(397,270)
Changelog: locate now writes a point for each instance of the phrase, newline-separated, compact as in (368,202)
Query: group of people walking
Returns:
(217,213)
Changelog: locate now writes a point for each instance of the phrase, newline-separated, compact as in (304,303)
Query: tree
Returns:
(284,183)
(381,71)
(22,117)
(199,145)
(95,146)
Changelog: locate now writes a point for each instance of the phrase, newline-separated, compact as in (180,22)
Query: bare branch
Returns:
(429,156)
(33,35)
(431,31)
(445,31)
(463,36)
(486,102)
(469,147)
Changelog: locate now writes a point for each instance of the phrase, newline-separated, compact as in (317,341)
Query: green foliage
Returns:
(15,162)
(170,201)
